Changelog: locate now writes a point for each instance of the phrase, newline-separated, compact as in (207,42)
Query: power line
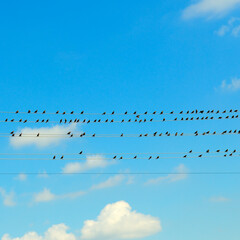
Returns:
(196,111)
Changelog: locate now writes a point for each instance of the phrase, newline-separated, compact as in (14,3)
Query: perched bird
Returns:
(13,135)
(176,134)
(140,135)
(218,151)
(191,118)
(231,110)
(113,112)
(36,111)
(135,120)
(151,119)
(6,120)
(175,119)
(171,112)
(122,121)
(138,116)
(211,118)
(37,120)
(225,155)
(181,112)
(60,120)
(99,120)
(71,112)
(230,131)
(235,110)
(125,112)
(95,120)
(190,151)
(157,157)
(82,112)
(129,120)
(25,121)
(226,150)
(68,133)
(214,133)
(145,112)
(64,113)
(219,117)
(224,132)
(150,158)
(17,111)
(135,157)
(38,135)
(207,132)
(145,120)
(20,134)
(20,120)
(114,157)
(154,112)
(71,135)
(208,151)
(166,133)
(185,156)
(217,111)
(192,112)
(42,120)
(146,135)
(200,155)
(121,135)
(94,135)
(169,135)
(187,112)
(181,134)
(57,112)
(202,111)
(29,111)
(182,119)
(230,154)
(104,113)
(186,119)
(44,112)
(234,151)
(54,157)
(11,132)
(80,152)
(163,119)
(90,121)
(227,117)
(161,112)
(121,158)
(135,112)
(84,120)
(155,134)
(62,157)
(160,134)
(206,118)
(140,120)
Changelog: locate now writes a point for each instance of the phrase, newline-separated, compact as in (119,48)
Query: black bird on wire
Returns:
(25,121)
(20,134)
(185,156)
(64,113)
(126,113)
(218,151)
(121,135)
(82,112)
(38,135)
(29,111)
(114,157)
(11,132)
(80,152)
(57,112)
(135,157)
(190,151)
(62,157)
(71,112)
(200,155)
(35,111)
(208,151)
(17,111)
(150,158)
(113,112)
(157,157)
(54,157)
(44,112)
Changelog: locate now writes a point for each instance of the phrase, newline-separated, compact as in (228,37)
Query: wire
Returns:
(136,120)
(117,173)
(125,113)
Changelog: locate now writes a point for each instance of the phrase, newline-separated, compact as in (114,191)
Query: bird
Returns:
(84,120)
(230,154)
(230,110)
(234,151)
(161,112)
(226,150)
(17,111)
(20,120)
(135,157)
(64,113)
(192,112)
(200,155)
(140,120)
(235,110)
(191,118)
(99,120)
(70,120)
(57,112)
(60,120)
(95,120)
(80,152)
(54,157)
(214,133)
(181,112)
(138,116)
(11,132)
(25,121)
(160,134)
(166,133)
(230,131)
(155,134)
(113,112)
(157,157)
(29,111)
(151,119)
(146,135)
(13,135)
(202,111)
(71,112)
(82,112)
(186,119)
(182,119)
(135,112)
(207,132)
(171,112)
(225,155)
(121,135)
(175,119)
(114,157)
(154,112)
(206,118)
(185,156)
(219,117)
(62,157)
(218,151)
(145,112)
(125,112)
(121,158)
(181,134)
(68,133)
(140,135)
(35,111)
(145,120)
(6,120)
(190,151)
(163,119)
(207,151)
(135,120)
(94,135)
(150,158)
(44,112)
(20,134)
(38,135)
(224,132)
(176,134)
(42,120)
(227,117)
(187,112)
(104,113)
(89,121)
(71,135)
(129,120)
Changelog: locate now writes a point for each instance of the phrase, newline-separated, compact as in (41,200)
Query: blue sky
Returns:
(104,56)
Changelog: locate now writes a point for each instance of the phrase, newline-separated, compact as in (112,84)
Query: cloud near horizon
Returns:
(233,86)
(8,198)
(209,8)
(41,142)
(116,221)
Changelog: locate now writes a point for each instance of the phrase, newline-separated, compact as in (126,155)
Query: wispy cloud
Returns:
(219,199)
(41,142)
(92,162)
(181,174)
(209,8)
(232,27)
(8,198)
(47,196)
(21,177)
(233,86)
(110,182)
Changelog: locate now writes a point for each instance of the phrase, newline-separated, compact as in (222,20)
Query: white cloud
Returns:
(181,171)
(110,182)
(219,199)
(8,198)
(95,161)
(233,86)
(21,177)
(41,141)
(210,8)
(232,27)
(47,196)
(118,221)
(56,232)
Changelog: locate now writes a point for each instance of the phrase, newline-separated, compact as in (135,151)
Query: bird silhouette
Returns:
(187,112)
(57,112)
(181,112)
(226,150)
(175,119)
(163,119)
(122,121)
(140,120)
(54,157)
(138,116)
(94,135)
(64,113)
(214,133)
(80,152)
(235,110)
(190,151)
(20,134)
(186,119)
(60,120)
(202,111)
(62,157)
(104,113)
(200,155)
(192,112)
(11,132)
(181,134)
(68,133)
(121,135)
(42,120)
(129,120)
(231,110)
(38,135)
(113,112)
(114,157)
(71,112)
(146,135)
(135,157)
(157,157)
(70,120)
(140,135)
(106,120)
(160,134)
(88,121)
(95,120)
(17,111)
(29,111)
(121,158)
(44,112)
(217,112)
(207,151)
(135,112)
(20,120)
(161,112)
(191,118)
(99,120)
(150,158)
(154,112)
(36,111)
(227,117)
(176,134)
(12,120)
(25,121)
(6,120)
(234,151)
(155,134)
(71,135)
(151,119)
(185,156)
(145,112)
(218,151)
(171,112)
(225,155)
(125,112)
